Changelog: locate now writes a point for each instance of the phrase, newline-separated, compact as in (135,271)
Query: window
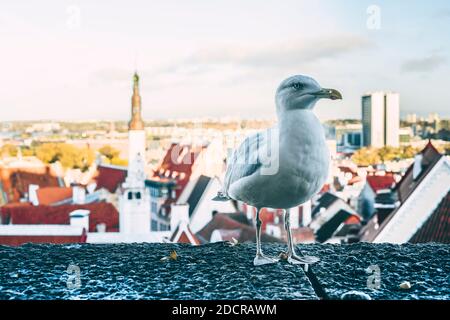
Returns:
(130,195)
(154,225)
(154,192)
(154,207)
(163,227)
(138,195)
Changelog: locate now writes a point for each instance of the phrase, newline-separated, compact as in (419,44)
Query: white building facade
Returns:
(381,119)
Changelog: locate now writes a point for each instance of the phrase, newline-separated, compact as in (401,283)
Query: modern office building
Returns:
(381,119)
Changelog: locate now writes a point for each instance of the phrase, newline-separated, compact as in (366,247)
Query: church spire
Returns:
(136,122)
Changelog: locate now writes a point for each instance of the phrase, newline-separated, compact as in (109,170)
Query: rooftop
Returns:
(221,271)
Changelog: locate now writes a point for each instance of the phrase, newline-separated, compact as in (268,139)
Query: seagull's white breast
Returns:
(301,160)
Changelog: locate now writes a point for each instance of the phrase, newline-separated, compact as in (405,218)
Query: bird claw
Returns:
(294,259)
(261,260)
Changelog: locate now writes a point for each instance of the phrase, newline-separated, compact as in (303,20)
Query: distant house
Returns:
(198,194)
(162,196)
(101,213)
(375,184)
(272,222)
(331,218)
(186,174)
(178,165)
(179,225)
(53,195)
(183,234)
(225,226)
(15,182)
(184,162)
(22,223)
(350,174)
(422,214)
(110,177)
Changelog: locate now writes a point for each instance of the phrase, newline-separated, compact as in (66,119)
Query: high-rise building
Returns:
(433,117)
(381,119)
(411,118)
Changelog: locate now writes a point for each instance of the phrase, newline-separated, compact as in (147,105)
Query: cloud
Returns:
(277,55)
(426,64)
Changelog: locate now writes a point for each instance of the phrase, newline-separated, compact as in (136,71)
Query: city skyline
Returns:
(74,61)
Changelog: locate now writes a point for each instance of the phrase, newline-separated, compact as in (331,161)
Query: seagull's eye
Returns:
(297,86)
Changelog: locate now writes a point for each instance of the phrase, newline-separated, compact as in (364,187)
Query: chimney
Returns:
(91,187)
(78,195)
(32,194)
(80,218)
(179,213)
(101,227)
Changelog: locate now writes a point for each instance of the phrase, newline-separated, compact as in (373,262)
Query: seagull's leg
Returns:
(260,258)
(292,257)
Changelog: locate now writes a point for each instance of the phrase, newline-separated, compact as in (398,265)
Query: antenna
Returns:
(135,61)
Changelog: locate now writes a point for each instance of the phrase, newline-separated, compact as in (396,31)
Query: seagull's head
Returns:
(302,92)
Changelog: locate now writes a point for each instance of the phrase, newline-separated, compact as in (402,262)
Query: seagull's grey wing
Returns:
(246,159)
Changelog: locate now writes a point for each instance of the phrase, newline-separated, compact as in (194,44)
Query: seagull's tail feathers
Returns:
(221,197)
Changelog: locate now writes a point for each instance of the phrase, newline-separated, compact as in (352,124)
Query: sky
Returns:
(74,60)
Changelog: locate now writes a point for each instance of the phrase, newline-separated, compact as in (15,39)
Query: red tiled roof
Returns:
(354,180)
(353,219)
(325,188)
(100,212)
(437,227)
(50,195)
(19,240)
(183,237)
(268,216)
(347,169)
(228,222)
(177,165)
(380,182)
(15,182)
(110,177)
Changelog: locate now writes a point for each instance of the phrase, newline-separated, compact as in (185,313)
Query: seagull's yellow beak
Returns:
(328,94)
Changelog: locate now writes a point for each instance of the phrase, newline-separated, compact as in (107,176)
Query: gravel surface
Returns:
(218,271)
(344,268)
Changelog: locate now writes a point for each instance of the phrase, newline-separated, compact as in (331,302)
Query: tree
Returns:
(8,150)
(48,152)
(408,152)
(112,155)
(388,153)
(119,161)
(366,157)
(84,159)
(371,156)
(109,152)
(68,155)
(27,151)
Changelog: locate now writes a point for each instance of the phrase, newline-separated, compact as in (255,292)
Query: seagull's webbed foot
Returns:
(261,260)
(295,259)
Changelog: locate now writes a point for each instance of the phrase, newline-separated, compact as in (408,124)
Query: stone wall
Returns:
(222,271)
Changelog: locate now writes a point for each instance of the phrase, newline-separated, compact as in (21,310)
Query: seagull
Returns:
(283,166)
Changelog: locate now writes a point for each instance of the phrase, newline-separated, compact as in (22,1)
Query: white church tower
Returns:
(135,200)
